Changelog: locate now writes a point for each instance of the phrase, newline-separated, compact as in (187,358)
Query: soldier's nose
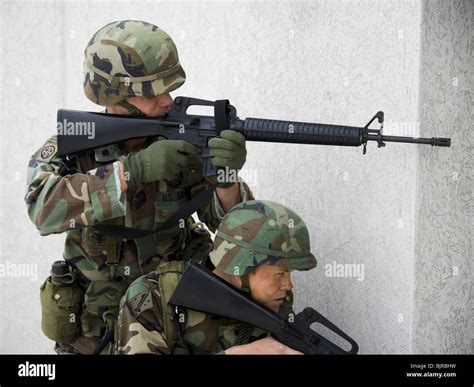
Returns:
(288,285)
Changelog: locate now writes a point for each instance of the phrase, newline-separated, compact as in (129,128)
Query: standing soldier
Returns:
(130,67)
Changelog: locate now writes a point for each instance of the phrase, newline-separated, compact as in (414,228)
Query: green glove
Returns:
(228,151)
(166,160)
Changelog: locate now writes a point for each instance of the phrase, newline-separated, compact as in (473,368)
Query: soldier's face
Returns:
(269,285)
(153,106)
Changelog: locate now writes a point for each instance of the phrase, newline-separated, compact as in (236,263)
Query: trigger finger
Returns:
(218,152)
(190,149)
(233,136)
(220,143)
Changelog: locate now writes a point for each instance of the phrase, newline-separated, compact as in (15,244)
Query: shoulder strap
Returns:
(169,276)
(183,213)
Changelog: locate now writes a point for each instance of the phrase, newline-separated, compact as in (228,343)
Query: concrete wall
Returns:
(333,62)
(444,272)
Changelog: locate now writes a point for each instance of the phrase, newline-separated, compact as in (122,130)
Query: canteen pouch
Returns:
(60,311)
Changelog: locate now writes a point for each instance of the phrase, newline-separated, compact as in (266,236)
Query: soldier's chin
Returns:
(275,306)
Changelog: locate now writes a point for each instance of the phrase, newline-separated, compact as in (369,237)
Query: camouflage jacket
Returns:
(89,193)
(140,327)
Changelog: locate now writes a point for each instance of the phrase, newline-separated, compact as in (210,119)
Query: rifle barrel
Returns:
(434,141)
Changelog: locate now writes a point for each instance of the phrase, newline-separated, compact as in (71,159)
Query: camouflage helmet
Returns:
(258,232)
(130,58)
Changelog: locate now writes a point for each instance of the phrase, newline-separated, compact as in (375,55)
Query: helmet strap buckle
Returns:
(115,82)
(245,282)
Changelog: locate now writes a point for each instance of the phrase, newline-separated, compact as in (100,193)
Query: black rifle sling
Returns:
(183,213)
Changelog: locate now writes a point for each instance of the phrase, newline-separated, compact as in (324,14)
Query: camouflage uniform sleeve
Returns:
(56,204)
(213,213)
(140,321)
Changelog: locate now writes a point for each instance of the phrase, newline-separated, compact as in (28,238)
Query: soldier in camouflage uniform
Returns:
(256,247)
(130,67)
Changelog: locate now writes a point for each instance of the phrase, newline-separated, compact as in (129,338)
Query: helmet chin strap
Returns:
(245,282)
(132,110)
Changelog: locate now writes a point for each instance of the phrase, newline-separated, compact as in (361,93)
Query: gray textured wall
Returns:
(333,62)
(444,272)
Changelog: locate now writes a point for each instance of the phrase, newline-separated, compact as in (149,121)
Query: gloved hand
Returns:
(164,160)
(228,150)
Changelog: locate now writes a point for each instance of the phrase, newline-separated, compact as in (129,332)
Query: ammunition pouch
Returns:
(101,307)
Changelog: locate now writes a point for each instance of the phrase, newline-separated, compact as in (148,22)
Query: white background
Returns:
(405,211)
